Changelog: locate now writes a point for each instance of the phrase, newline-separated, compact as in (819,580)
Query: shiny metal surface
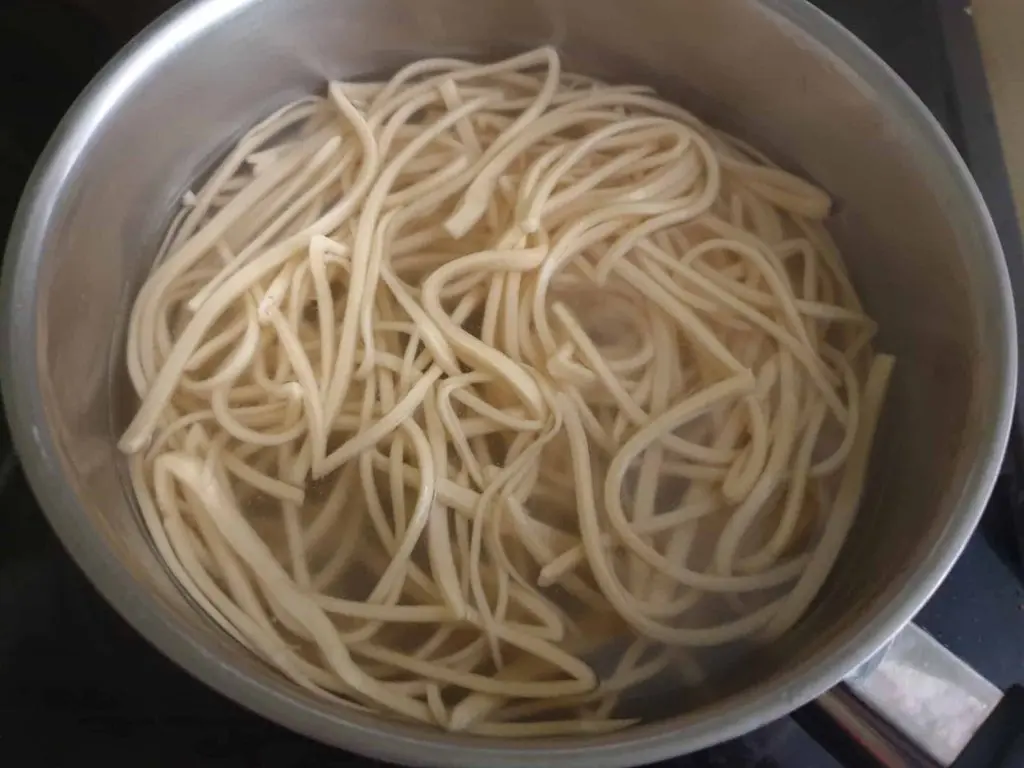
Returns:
(934,701)
(919,242)
(886,745)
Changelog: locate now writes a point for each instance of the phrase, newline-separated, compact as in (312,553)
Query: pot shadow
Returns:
(1002,525)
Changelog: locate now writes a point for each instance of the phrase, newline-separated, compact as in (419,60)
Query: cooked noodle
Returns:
(454,384)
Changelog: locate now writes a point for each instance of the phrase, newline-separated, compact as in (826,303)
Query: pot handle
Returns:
(917,704)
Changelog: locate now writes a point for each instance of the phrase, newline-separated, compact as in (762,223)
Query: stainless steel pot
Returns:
(919,243)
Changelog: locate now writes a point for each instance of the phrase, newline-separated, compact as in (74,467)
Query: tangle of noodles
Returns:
(457,386)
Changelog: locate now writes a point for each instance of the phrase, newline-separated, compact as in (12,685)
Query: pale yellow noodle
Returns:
(453,384)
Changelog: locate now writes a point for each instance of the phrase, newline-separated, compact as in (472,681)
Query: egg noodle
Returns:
(451,384)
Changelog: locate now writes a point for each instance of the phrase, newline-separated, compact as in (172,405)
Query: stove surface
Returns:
(69,663)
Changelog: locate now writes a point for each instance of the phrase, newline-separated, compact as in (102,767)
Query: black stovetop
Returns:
(76,683)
